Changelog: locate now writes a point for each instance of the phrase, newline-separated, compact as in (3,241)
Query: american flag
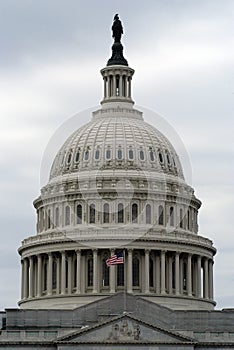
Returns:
(115,259)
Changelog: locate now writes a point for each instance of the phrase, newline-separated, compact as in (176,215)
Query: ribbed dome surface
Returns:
(117,136)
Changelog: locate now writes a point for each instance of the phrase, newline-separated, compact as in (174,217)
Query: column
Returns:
(49,274)
(177,273)
(170,274)
(78,271)
(58,275)
(69,284)
(22,278)
(189,275)
(205,279)
(95,271)
(63,273)
(157,270)
(25,278)
(199,276)
(129,274)
(39,275)
(30,277)
(112,274)
(146,270)
(163,280)
(104,80)
(211,279)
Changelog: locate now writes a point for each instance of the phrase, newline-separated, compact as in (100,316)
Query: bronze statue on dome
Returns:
(117,29)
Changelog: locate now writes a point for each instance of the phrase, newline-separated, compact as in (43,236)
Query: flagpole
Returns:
(125,283)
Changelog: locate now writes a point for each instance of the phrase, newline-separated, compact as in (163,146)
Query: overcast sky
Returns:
(51,55)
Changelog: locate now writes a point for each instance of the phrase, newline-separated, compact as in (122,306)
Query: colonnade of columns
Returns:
(117,83)
(146,271)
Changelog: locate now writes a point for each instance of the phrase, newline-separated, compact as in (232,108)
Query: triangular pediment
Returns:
(125,329)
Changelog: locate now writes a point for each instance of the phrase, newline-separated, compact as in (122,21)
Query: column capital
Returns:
(147,251)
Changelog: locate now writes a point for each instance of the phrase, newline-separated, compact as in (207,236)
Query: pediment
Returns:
(125,329)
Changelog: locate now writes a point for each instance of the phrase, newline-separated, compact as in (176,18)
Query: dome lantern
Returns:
(117,75)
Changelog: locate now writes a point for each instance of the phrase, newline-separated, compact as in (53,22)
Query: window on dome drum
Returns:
(108,154)
(188,219)
(130,154)
(184,275)
(151,272)
(54,274)
(79,214)
(69,158)
(97,154)
(160,215)
(77,156)
(151,153)
(120,213)
(57,217)
(92,214)
(105,273)
(160,156)
(117,85)
(135,271)
(86,155)
(120,154)
(45,275)
(171,216)
(181,219)
(134,213)
(67,215)
(148,214)
(142,156)
(66,281)
(90,272)
(48,219)
(106,214)
(168,159)
(120,275)
(75,272)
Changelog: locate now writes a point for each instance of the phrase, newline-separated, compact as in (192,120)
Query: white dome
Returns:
(117,136)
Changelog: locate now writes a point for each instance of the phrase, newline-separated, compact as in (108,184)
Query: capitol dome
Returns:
(116,186)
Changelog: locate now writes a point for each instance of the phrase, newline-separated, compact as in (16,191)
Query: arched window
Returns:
(120,154)
(90,272)
(79,214)
(160,215)
(92,214)
(171,216)
(57,217)
(77,156)
(130,154)
(106,214)
(97,154)
(67,215)
(120,213)
(148,214)
(160,156)
(168,159)
(142,156)
(181,218)
(151,153)
(120,275)
(135,272)
(151,272)
(86,155)
(105,273)
(54,274)
(69,158)
(108,154)
(134,213)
